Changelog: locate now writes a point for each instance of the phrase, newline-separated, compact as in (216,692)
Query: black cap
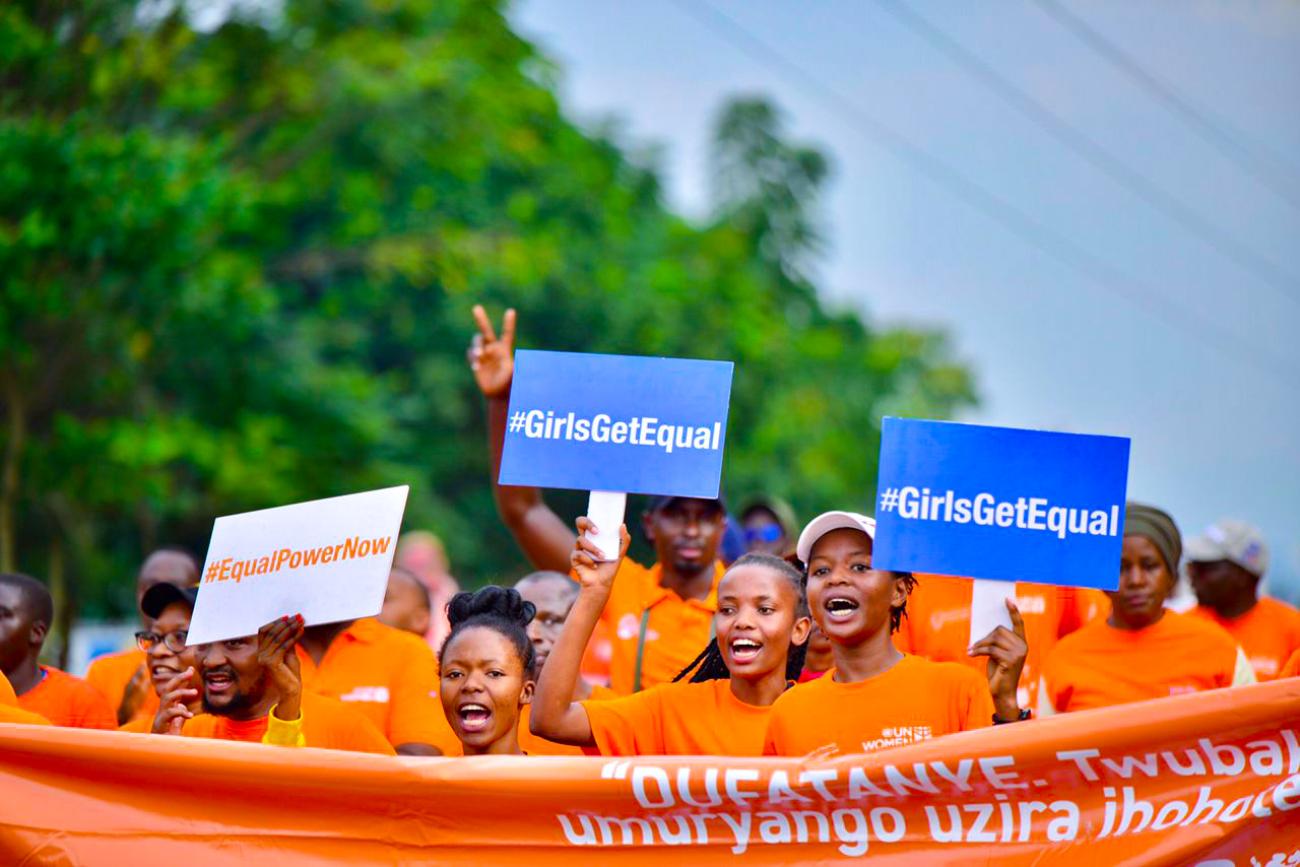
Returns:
(659,502)
(159,596)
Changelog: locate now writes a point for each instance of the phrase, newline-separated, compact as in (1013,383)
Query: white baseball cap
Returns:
(827,521)
(1231,540)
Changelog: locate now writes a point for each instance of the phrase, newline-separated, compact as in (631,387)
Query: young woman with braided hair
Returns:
(722,709)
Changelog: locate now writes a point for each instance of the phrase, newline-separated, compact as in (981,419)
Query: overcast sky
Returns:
(1177,322)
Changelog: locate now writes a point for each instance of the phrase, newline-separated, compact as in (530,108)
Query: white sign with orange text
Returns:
(327,560)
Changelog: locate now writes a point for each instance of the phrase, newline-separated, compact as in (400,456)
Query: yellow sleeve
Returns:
(283,733)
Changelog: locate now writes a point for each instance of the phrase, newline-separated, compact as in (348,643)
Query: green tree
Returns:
(238,265)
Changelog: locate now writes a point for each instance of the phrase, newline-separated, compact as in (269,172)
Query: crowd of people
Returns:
(750,634)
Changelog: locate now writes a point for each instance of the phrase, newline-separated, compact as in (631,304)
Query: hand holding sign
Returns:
(275,651)
(1006,650)
(595,568)
(492,358)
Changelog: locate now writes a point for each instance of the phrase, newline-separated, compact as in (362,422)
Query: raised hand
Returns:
(173,703)
(490,357)
(1006,650)
(592,571)
(275,650)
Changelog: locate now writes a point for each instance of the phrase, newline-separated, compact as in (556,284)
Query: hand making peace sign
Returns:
(491,357)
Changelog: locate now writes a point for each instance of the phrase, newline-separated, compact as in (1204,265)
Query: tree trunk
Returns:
(15,440)
(63,607)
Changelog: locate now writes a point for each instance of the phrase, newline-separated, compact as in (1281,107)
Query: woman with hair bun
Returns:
(488,669)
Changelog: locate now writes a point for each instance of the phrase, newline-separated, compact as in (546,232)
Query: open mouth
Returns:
(217,682)
(745,650)
(840,607)
(474,717)
(163,672)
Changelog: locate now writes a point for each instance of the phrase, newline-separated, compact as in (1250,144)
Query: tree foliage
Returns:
(237,266)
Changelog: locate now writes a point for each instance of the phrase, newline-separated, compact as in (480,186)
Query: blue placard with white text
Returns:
(617,423)
(1001,503)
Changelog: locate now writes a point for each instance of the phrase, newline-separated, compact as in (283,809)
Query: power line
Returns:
(998,209)
(1079,142)
(1276,177)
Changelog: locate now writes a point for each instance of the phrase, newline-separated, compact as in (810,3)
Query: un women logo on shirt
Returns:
(1001,503)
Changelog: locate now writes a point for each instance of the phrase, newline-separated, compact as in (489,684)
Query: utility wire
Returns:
(1271,172)
(999,210)
(1079,142)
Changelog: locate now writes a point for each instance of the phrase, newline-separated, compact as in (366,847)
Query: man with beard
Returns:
(659,618)
(252,691)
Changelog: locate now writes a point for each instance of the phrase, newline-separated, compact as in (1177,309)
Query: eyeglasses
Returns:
(767,533)
(173,641)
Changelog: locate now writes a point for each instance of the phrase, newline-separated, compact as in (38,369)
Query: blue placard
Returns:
(617,423)
(1001,503)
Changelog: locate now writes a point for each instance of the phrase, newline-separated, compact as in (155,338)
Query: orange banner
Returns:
(1210,779)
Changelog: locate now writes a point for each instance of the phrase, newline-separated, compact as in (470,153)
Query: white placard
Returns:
(988,606)
(606,509)
(327,560)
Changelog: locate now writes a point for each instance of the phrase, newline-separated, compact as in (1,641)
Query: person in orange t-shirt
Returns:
(1142,650)
(26,611)
(657,618)
(761,624)
(389,676)
(875,696)
(1225,565)
(173,666)
(489,669)
(10,712)
(937,625)
(123,678)
(252,691)
(551,595)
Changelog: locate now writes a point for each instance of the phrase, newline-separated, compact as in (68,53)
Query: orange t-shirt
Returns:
(390,676)
(1100,665)
(937,625)
(7,695)
(10,712)
(139,724)
(595,659)
(111,673)
(65,700)
(676,632)
(678,719)
(326,723)
(1269,633)
(1292,667)
(914,701)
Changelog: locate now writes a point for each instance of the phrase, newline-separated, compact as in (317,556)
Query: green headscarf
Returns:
(1143,520)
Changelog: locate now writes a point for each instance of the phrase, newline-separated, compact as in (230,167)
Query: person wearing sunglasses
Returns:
(170,665)
(767,523)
